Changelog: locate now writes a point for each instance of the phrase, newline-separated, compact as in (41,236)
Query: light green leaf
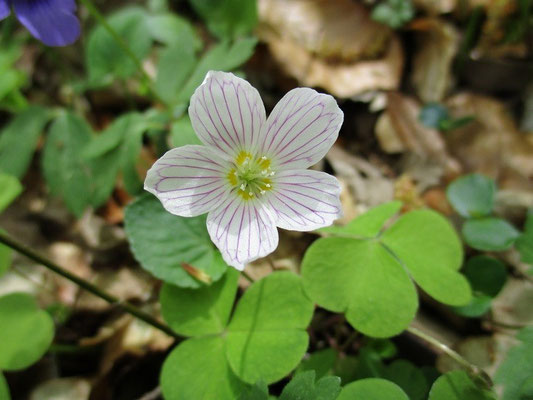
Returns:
(370,281)
(182,133)
(162,242)
(65,171)
(11,188)
(304,387)
(394,13)
(176,64)
(26,332)
(429,248)
(204,311)
(5,258)
(524,244)
(4,389)
(372,389)
(266,337)
(456,385)
(321,361)
(197,370)
(19,139)
(489,234)
(362,279)
(227,19)
(368,224)
(515,373)
(472,195)
(105,58)
(410,378)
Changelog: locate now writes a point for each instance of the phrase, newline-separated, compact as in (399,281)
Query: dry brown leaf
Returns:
(437,45)
(434,7)
(62,389)
(492,144)
(399,129)
(327,44)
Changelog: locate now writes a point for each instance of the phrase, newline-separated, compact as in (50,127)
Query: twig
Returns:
(124,305)
(475,370)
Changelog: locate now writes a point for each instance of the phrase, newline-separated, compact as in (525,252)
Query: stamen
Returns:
(267,185)
(250,194)
(243,186)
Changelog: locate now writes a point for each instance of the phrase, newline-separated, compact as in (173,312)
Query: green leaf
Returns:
(363,280)
(26,332)
(369,224)
(515,373)
(105,58)
(259,391)
(162,242)
(489,234)
(266,337)
(370,281)
(19,139)
(4,389)
(182,133)
(321,361)
(197,370)
(5,259)
(432,114)
(304,387)
(173,30)
(472,195)
(204,311)
(227,19)
(431,251)
(11,188)
(176,64)
(222,57)
(457,385)
(524,244)
(410,378)
(65,171)
(394,13)
(372,389)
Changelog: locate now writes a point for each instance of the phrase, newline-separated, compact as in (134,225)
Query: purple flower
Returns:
(251,174)
(53,22)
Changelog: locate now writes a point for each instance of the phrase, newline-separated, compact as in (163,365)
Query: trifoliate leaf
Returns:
(26,332)
(457,385)
(372,389)
(164,243)
(489,234)
(410,378)
(472,195)
(266,337)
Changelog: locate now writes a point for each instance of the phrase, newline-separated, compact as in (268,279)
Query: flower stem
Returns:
(123,45)
(473,369)
(124,305)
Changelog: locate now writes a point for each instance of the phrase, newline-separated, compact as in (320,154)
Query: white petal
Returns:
(189,180)
(301,128)
(243,230)
(227,113)
(303,200)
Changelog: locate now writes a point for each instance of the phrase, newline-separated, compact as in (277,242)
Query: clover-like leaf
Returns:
(457,385)
(176,240)
(266,337)
(303,386)
(472,195)
(370,279)
(26,333)
(203,311)
(198,370)
(372,389)
(410,378)
(11,188)
(489,234)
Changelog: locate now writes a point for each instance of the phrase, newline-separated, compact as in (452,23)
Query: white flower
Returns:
(251,174)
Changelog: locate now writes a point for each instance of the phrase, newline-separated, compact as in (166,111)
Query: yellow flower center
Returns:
(251,175)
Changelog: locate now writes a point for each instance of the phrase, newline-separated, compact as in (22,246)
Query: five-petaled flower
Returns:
(251,174)
(53,22)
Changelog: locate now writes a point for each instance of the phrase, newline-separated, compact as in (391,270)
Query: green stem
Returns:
(124,305)
(475,370)
(248,277)
(123,45)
